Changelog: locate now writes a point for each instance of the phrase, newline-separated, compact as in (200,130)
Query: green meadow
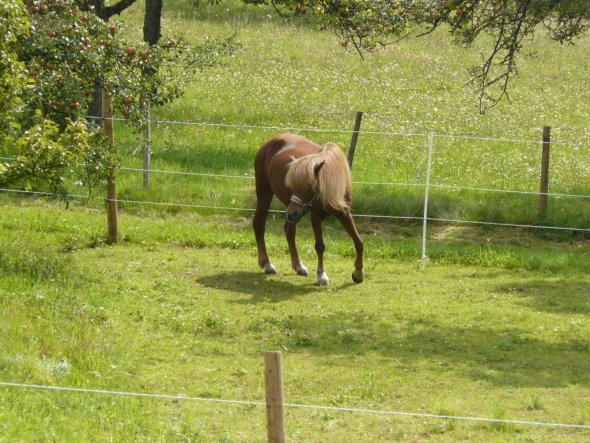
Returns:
(287,76)
(495,327)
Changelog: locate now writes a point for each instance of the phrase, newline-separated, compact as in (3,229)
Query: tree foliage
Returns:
(67,52)
(14,26)
(370,24)
(47,154)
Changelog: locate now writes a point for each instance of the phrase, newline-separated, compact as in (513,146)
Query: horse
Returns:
(306,178)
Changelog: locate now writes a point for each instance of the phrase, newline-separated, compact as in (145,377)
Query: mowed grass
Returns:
(181,308)
(496,326)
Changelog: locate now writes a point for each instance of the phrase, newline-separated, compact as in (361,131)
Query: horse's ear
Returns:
(317,168)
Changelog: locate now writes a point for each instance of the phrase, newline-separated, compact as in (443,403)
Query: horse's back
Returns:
(273,159)
(298,144)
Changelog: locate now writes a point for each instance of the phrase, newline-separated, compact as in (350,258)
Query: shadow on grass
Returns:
(507,357)
(262,287)
(553,296)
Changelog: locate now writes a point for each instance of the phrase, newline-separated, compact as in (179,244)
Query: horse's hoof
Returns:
(302,270)
(356,278)
(269,269)
(323,279)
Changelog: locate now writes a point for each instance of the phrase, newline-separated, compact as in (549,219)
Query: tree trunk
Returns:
(105,13)
(151,34)
(152,30)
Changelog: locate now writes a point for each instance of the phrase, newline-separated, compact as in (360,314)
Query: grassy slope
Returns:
(170,312)
(181,308)
(289,76)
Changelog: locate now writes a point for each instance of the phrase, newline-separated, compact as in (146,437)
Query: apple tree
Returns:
(14,25)
(68,50)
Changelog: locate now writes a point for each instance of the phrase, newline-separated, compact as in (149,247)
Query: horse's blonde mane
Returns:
(333,183)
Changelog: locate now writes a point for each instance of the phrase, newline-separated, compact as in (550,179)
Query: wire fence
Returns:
(426,168)
(312,129)
(293,405)
(251,210)
(247,176)
(425,218)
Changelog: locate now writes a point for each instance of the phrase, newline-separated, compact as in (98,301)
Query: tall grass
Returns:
(289,75)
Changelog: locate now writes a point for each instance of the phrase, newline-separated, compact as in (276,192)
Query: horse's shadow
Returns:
(263,287)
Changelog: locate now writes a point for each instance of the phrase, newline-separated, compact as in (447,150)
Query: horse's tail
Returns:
(334,181)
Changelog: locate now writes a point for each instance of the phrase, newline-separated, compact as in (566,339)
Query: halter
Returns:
(304,206)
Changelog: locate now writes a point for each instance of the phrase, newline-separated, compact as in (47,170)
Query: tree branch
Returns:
(116,9)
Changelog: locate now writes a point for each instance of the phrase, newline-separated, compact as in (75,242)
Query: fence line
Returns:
(198,174)
(364,183)
(288,128)
(339,131)
(513,225)
(434,185)
(292,405)
(509,191)
(343,131)
(129,394)
(233,208)
(112,199)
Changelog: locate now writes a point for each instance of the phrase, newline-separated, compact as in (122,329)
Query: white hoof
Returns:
(301,270)
(323,279)
(269,269)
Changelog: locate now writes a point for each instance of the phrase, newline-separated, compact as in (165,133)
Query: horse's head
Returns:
(303,195)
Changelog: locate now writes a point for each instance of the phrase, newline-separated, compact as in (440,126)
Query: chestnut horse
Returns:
(306,178)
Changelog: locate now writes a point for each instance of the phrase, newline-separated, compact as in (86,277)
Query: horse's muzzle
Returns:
(297,209)
(294,216)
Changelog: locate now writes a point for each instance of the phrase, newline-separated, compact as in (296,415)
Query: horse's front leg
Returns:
(290,231)
(320,247)
(349,226)
(259,224)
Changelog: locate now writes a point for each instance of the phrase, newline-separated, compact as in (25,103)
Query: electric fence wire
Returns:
(233,208)
(291,405)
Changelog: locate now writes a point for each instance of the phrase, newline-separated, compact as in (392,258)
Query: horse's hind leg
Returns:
(290,231)
(263,200)
(349,226)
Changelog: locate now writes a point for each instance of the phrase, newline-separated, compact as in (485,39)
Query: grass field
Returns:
(180,308)
(288,75)
(496,326)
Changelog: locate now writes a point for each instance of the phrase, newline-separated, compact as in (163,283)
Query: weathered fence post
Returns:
(147,147)
(426,198)
(355,137)
(544,189)
(111,203)
(275,409)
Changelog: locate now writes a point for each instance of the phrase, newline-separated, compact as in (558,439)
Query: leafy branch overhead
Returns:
(368,25)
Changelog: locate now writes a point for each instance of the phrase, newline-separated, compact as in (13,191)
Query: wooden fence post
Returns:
(544,189)
(355,137)
(275,409)
(111,203)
